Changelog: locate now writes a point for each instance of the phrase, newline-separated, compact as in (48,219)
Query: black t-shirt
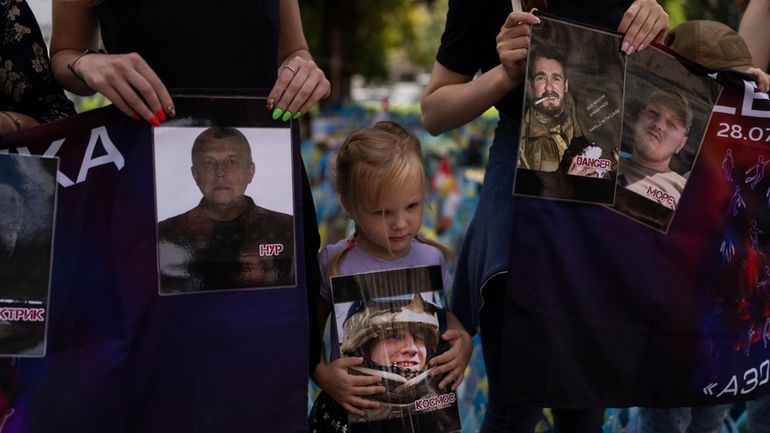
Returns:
(229,44)
(469,39)
(195,43)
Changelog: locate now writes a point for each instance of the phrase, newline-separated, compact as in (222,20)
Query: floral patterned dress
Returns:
(26,83)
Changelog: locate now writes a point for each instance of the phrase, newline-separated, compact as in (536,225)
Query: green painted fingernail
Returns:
(277,113)
(297,115)
(286,116)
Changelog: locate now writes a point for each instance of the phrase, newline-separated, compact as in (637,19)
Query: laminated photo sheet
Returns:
(28,190)
(225,197)
(393,319)
(667,113)
(572,114)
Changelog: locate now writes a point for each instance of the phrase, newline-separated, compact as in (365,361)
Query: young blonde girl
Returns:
(380,181)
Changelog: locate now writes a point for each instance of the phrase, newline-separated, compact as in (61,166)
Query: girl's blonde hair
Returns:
(372,162)
(375,160)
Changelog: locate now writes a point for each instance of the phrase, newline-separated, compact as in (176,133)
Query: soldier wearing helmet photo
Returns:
(396,337)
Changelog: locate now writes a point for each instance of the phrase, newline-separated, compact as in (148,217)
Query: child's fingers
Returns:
(442,359)
(368,390)
(364,380)
(450,334)
(348,361)
(443,368)
(457,383)
(447,380)
(352,409)
(364,403)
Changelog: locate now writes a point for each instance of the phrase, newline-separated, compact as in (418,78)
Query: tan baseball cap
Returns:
(711,44)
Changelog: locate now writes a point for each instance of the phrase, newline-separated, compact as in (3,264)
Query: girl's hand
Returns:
(300,85)
(644,21)
(453,361)
(346,388)
(513,43)
(129,82)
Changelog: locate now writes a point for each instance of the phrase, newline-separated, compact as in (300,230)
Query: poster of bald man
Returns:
(27,212)
(224,197)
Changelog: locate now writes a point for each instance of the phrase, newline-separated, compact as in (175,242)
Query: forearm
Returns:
(13,121)
(455,104)
(753,30)
(66,77)
(75,29)
(453,323)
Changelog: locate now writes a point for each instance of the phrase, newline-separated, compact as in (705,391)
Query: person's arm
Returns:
(452,99)
(345,388)
(301,83)
(125,79)
(13,121)
(761,77)
(753,30)
(453,362)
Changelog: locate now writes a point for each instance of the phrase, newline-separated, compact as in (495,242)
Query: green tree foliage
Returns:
(362,36)
(725,11)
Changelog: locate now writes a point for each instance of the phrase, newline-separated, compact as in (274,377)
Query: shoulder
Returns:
(329,252)
(427,253)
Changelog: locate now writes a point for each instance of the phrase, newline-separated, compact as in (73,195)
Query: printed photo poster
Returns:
(27,215)
(667,111)
(393,319)
(224,197)
(572,114)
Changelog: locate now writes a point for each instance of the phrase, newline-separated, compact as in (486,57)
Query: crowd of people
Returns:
(370,214)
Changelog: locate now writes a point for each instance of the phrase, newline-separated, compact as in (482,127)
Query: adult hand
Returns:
(644,21)
(513,43)
(346,388)
(129,82)
(453,361)
(300,85)
(761,77)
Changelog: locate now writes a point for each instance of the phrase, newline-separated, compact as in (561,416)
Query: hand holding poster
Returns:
(393,319)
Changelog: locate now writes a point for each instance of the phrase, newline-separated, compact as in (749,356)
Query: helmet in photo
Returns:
(370,320)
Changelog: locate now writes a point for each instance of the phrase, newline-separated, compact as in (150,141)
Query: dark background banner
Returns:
(604,312)
(120,357)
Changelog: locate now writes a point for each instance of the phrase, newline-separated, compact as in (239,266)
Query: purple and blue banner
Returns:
(122,358)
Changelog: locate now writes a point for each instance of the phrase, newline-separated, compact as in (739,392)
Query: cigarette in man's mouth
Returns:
(541,100)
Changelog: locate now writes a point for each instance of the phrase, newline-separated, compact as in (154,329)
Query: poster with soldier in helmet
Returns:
(393,319)
(27,211)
